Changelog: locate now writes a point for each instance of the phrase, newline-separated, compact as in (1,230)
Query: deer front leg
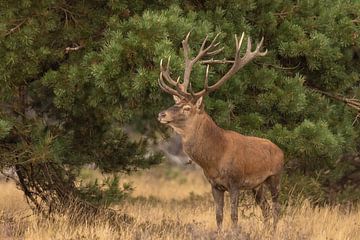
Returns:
(218,196)
(234,202)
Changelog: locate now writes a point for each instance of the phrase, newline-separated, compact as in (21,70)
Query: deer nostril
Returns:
(162,114)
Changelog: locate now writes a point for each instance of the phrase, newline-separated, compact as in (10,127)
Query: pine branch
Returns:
(277,66)
(351,102)
(15,28)
(67,14)
(356,20)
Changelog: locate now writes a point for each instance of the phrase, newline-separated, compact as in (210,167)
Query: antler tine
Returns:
(212,44)
(204,51)
(248,48)
(249,55)
(166,72)
(259,46)
(179,87)
(191,90)
(178,92)
(238,63)
(216,44)
(203,43)
(185,44)
(166,88)
(168,63)
(215,52)
(187,71)
(239,43)
(214,40)
(206,82)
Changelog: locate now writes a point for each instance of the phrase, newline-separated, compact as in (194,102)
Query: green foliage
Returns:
(75,75)
(5,128)
(104,193)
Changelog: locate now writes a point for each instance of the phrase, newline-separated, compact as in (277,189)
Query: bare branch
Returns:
(15,28)
(71,49)
(350,102)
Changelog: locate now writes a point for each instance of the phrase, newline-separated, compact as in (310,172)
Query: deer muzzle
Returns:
(162,117)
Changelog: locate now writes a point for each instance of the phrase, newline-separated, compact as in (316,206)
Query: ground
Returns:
(176,203)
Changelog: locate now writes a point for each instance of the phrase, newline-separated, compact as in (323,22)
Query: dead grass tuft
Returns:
(170,203)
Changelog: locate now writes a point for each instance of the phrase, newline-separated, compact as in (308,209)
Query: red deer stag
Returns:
(230,161)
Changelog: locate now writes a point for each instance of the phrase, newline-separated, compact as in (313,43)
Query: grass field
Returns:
(174,203)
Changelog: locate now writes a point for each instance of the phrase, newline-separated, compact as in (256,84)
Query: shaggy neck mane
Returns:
(201,139)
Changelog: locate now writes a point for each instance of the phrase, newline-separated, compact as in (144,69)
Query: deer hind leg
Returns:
(261,201)
(218,196)
(273,183)
(234,202)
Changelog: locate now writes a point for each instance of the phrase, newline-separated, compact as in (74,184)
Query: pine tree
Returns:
(75,74)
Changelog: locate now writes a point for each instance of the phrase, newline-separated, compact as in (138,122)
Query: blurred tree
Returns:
(74,74)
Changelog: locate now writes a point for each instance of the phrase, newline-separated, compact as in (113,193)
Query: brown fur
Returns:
(230,161)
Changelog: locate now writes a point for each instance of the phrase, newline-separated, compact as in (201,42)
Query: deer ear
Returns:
(176,99)
(199,102)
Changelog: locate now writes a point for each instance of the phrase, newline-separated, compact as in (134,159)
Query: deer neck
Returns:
(204,142)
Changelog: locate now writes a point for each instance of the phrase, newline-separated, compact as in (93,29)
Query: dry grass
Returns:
(176,204)
(168,183)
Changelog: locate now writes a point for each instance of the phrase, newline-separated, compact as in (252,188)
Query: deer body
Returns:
(230,161)
(228,158)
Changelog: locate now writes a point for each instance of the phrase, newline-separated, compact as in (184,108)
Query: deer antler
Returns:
(239,62)
(189,63)
(211,50)
(164,73)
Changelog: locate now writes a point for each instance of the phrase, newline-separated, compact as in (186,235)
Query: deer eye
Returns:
(187,108)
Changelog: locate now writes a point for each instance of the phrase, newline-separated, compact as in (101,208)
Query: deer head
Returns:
(188,104)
